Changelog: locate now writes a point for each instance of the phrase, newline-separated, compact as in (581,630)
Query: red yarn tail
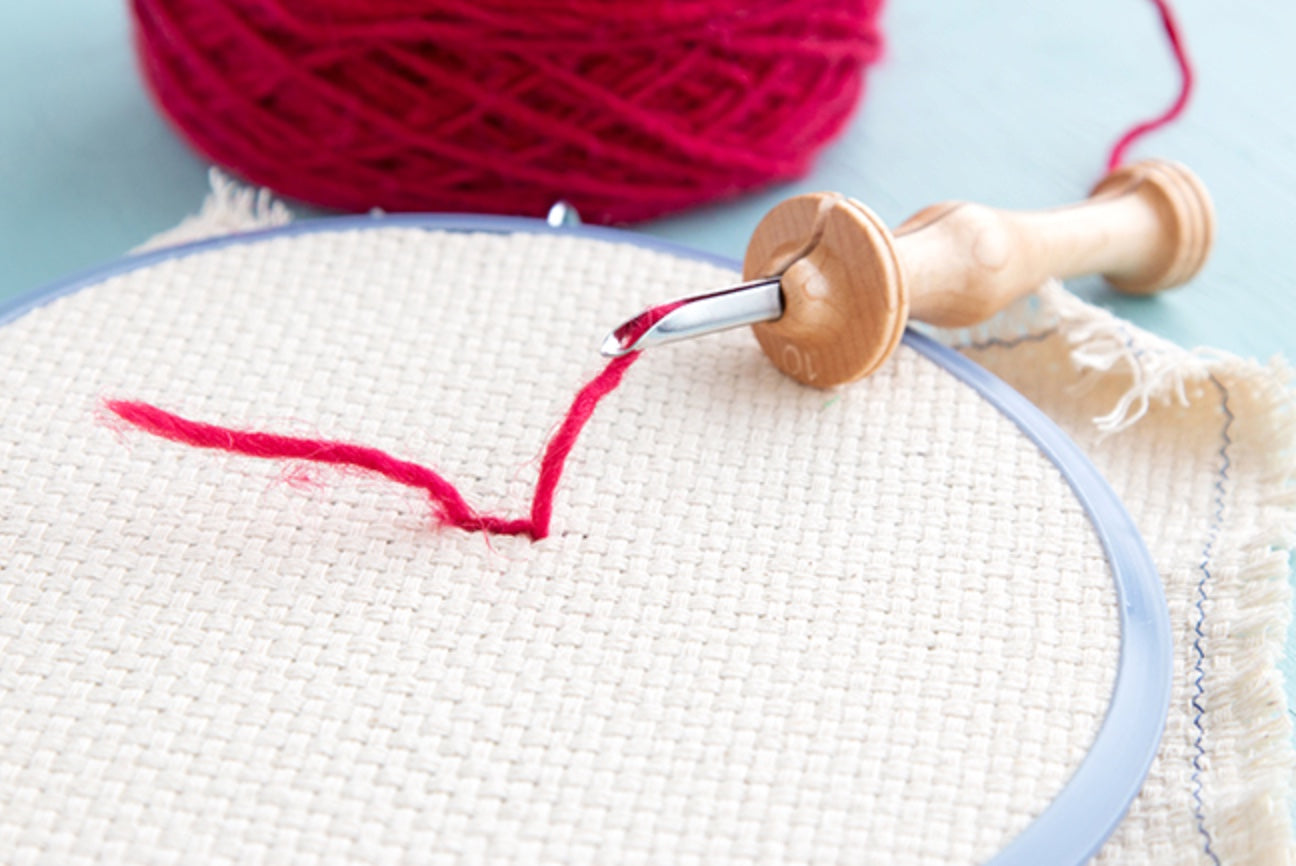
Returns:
(450,507)
(1186,80)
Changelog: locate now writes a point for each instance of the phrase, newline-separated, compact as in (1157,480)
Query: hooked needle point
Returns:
(698,315)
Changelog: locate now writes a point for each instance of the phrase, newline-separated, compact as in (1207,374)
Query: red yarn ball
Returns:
(626,108)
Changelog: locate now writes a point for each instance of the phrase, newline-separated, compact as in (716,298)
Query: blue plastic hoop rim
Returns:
(1074,825)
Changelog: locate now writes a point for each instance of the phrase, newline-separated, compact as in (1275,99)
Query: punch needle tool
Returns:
(829,288)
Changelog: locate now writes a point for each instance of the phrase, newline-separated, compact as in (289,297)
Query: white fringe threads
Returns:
(230,208)
(1101,345)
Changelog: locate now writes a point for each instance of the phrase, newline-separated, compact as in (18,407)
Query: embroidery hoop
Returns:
(1084,813)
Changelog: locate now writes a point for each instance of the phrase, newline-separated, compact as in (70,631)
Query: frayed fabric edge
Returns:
(1100,345)
(1257,819)
(229,208)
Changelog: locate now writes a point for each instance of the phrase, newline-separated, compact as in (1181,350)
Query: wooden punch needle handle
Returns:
(850,284)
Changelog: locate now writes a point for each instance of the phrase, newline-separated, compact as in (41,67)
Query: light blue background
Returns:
(1008,103)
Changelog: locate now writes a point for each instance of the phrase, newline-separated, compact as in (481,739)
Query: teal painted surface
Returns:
(1007,103)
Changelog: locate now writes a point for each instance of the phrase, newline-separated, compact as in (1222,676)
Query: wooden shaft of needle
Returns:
(850,284)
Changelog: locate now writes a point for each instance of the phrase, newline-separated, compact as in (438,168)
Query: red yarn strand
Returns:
(449,507)
(1186,81)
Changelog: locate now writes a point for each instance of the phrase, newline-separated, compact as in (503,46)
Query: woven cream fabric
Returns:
(772,625)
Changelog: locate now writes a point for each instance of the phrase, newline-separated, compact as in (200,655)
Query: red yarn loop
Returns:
(628,110)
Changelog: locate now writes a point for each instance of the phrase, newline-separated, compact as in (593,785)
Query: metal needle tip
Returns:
(697,315)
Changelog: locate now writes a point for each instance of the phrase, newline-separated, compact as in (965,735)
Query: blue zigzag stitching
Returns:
(995,342)
(1212,536)
(1199,666)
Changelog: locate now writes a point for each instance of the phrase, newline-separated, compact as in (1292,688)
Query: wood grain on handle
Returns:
(850,285)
